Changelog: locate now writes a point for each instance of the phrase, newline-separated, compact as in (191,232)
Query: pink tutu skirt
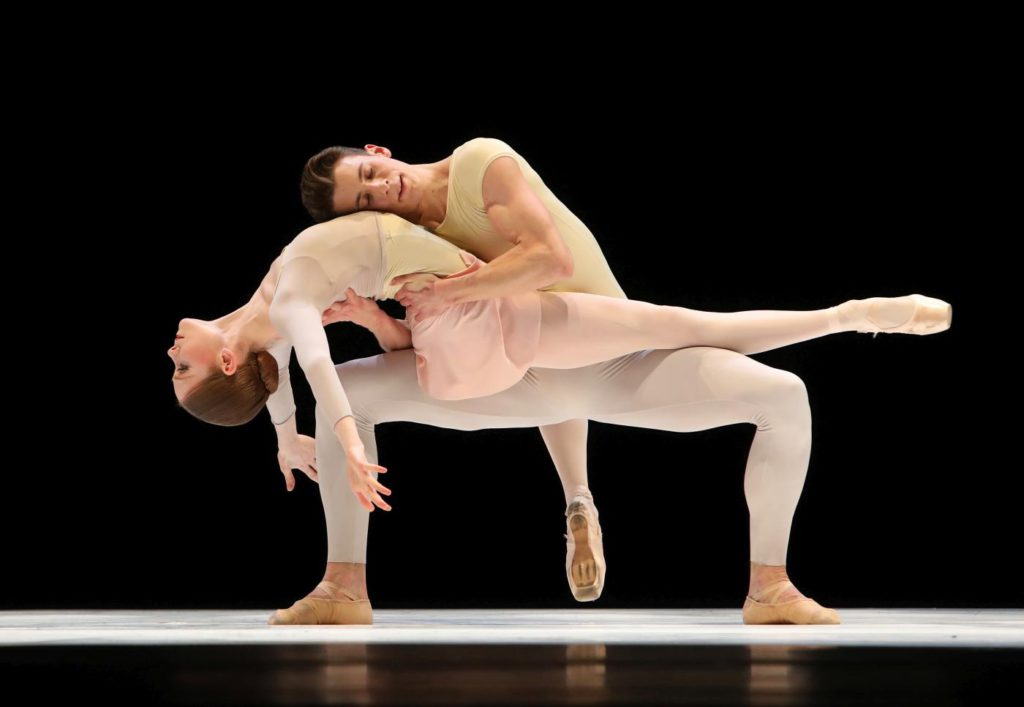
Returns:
(476,348)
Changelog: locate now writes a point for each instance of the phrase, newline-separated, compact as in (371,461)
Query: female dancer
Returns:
(471,349)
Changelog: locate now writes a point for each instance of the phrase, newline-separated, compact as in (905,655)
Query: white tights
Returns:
(682,390)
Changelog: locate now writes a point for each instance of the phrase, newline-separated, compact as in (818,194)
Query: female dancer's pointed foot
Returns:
(910,314)
(584,552)
(329,603)
(782,603)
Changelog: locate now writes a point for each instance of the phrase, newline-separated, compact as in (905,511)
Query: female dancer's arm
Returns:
(392,334)
(297,451)
(295,312)
(281,403)
(294,451)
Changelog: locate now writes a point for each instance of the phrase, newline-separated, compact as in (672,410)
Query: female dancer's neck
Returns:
(249,325)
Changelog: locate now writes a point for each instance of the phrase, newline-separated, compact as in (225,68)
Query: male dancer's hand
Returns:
(364,486)
(426,295)
(298,453)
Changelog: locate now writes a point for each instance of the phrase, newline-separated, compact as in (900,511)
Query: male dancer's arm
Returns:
(539,256)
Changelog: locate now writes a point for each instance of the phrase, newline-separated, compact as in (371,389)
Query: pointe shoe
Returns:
(889,315)
(321,610)
(801,610)
(584,552)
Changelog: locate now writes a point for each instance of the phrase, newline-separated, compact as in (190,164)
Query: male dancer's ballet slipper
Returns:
(910,314)
(584,552)
(321,610)
(801,610)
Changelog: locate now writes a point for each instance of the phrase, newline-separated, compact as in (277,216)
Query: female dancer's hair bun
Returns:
(232,400)
(266,366)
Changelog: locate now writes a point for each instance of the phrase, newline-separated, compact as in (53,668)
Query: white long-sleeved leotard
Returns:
(364,251)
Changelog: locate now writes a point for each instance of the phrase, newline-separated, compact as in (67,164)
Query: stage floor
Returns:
(935,657)
(860,627)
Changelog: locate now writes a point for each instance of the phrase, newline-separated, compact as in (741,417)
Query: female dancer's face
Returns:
(375,182)
(197,349)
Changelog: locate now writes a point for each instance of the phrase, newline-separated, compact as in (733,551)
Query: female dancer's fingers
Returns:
(379,501)
(311,473)
(379,486)
(363,502)
(289,480)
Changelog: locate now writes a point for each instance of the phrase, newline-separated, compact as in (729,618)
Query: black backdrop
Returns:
(749,189)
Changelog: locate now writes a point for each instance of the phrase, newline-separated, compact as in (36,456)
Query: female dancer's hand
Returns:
(364,486)
(297,453)
(420,296)
(355,309)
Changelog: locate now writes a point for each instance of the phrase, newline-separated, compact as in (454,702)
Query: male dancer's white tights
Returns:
(682,390)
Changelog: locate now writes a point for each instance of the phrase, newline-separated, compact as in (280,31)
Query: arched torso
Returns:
(365,250)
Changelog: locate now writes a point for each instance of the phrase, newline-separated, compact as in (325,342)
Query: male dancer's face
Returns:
(195,353)
(376,182)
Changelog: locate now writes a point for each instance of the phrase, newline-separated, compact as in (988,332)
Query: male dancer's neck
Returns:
(434,203)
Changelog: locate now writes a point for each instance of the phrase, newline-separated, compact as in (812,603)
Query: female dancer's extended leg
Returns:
(581,329)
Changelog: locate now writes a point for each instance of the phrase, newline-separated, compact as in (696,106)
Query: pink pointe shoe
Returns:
(910,314)
(584,553)
(801,610)
(322,610)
